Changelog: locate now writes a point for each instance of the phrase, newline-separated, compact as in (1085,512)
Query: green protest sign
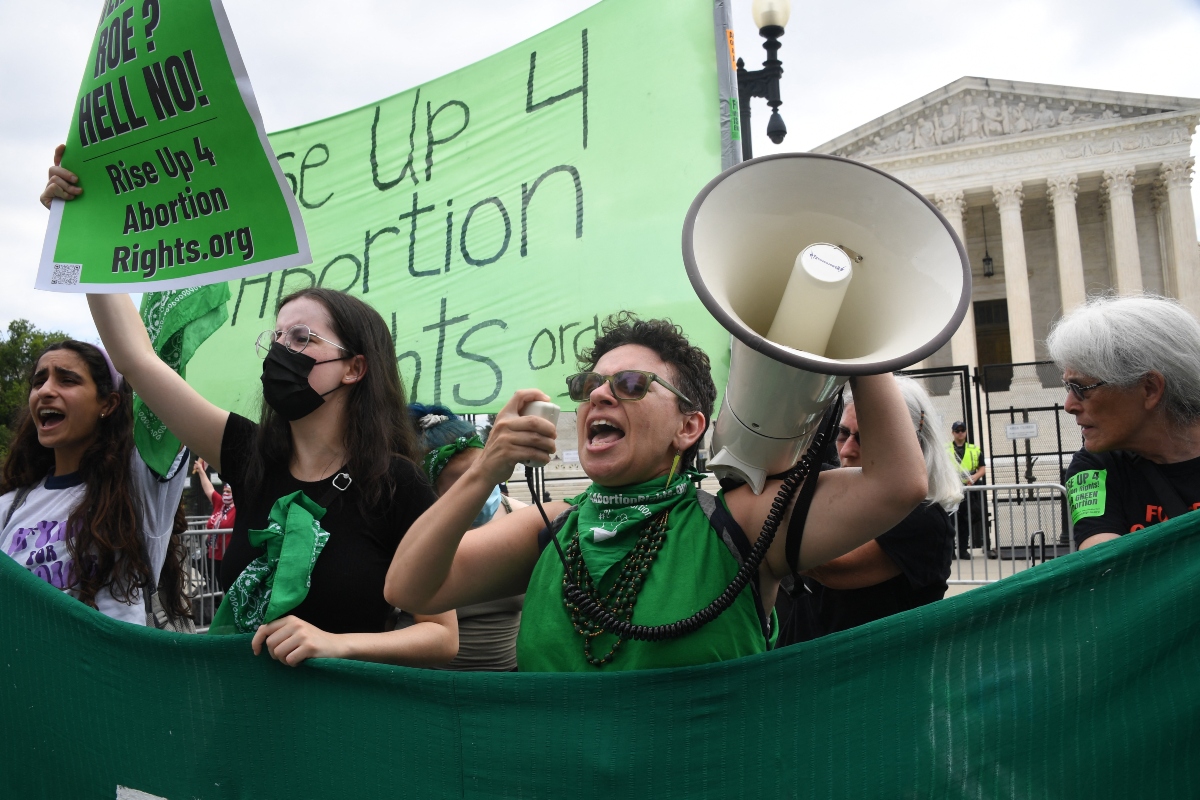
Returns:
(180,186)
(496,215)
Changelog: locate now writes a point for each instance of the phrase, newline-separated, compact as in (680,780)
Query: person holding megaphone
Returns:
(635,572)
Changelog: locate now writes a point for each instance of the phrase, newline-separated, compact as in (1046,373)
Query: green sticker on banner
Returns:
(1087,494)
(181,187)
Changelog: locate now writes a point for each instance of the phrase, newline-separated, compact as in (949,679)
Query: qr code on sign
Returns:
(66,274)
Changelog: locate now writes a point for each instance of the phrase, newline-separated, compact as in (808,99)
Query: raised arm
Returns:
(200,468)
(196,422)
(850,506)
(440,564)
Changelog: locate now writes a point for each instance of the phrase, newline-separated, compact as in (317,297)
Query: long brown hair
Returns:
(104,532)
(377,424)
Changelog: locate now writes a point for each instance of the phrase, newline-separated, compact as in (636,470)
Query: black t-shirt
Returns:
(346,594)
(1110,493)
(922,547)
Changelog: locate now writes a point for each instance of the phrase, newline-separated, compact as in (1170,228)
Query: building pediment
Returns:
(974,111)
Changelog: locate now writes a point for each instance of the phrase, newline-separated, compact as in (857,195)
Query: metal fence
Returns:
(200,572)
(1022,526)
(950,391)
(1030,435)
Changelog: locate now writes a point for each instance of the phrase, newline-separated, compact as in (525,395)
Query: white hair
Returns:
(1118,340)
(945,485)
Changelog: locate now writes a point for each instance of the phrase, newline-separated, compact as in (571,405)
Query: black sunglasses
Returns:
(1080,392)
(844,435)
(628,384)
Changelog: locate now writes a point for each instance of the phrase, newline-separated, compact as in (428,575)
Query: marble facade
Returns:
(1081,192)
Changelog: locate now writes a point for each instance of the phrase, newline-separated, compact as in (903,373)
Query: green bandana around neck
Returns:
(278,580)
(436,460)
(608,520)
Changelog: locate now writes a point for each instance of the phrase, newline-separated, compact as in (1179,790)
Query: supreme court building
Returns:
(1079,191)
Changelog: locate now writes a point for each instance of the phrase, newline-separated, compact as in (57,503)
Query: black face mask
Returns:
(285,383)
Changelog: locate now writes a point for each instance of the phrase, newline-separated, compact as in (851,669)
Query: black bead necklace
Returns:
(623,593)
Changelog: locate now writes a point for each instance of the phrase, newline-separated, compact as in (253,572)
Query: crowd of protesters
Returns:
(355,526)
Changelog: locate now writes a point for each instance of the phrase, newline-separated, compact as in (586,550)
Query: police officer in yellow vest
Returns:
(971,466)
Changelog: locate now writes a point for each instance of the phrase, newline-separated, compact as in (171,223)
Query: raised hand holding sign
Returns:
(183,188)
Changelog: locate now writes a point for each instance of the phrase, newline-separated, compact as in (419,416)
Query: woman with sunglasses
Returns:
(906,567)
(1131,368)
(641,541)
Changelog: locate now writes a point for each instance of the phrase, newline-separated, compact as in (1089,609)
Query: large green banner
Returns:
(494,216)
(180,186)
(1073,679)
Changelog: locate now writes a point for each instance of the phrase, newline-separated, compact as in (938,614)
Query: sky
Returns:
(845,64)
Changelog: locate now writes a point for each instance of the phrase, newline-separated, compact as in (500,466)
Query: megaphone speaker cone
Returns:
(798,338)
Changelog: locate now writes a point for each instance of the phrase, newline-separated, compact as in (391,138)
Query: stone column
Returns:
(1127,264)
(1166,253)
(1177,177)
(1063,190)
(962,344)
(1009,197)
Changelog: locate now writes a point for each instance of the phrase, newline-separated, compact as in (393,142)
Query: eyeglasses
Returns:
(295,339)
(628,384)
(1080,392)
(845,435)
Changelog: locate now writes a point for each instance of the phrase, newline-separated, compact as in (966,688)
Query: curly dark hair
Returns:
(378,427)
(690,365)
(105,532)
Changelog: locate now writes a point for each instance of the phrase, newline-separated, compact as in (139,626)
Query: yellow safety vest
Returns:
(970,459)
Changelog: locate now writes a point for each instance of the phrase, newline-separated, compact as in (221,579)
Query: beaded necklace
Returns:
(623,594)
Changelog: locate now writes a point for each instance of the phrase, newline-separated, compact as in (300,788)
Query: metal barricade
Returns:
(201,581)
(1003,529)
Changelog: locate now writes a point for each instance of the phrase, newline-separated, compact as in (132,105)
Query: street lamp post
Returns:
(770,16)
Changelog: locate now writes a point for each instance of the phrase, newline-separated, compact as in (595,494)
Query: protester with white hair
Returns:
(1131,368)
(906,567)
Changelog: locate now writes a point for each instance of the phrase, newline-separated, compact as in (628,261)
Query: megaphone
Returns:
(820,268)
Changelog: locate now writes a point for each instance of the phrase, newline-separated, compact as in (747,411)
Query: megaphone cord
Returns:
(624,629)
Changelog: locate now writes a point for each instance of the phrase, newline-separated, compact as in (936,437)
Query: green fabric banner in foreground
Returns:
(1077,678)
(495,215)
(180,185)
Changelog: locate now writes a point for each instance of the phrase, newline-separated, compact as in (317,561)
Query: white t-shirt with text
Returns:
(36,534)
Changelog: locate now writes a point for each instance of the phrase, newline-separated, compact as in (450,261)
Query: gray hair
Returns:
(1118,340)
(945,485)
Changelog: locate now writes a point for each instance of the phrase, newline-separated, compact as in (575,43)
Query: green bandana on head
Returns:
(436,460)
(278,580)
(609,519)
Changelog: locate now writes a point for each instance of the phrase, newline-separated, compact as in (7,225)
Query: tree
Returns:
(17,356)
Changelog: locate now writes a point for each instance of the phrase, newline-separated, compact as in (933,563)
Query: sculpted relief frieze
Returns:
(1001,162)
(979,117)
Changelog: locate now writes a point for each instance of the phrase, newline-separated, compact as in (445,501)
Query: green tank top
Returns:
(693,567)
